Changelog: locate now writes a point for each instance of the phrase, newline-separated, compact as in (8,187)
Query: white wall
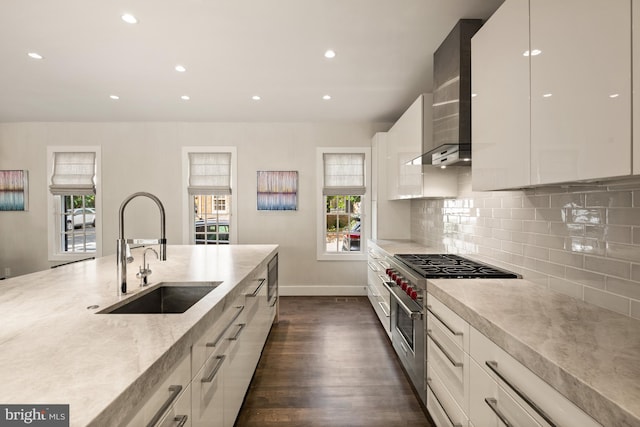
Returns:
(147,157)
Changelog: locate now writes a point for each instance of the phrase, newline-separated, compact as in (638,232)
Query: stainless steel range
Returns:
(408,274)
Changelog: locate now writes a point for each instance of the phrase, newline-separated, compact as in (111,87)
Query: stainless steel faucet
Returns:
(145,271)
(123,252)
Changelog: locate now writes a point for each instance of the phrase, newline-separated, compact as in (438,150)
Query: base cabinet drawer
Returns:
(179,415)
(443,409)
(163,400)
(491,405)
(541,401)
(452,368)
(208,393)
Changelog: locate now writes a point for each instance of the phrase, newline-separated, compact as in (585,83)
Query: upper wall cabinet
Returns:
(580,89)
(500,99)
(404,146)
(406,142)
(553,84)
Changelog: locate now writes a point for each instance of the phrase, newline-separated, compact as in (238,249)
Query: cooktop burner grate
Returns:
(445,266)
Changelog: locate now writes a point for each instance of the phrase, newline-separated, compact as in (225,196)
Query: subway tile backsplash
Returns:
(582,241)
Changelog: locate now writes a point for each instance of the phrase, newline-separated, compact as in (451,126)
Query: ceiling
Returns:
(232,50)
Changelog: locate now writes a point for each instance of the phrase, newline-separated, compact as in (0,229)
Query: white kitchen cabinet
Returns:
(491,405)
(208,392)
(578,115)
(404,172)
(409,138)
(500,100)
(162,403)
(390,218)
(534,395)
(179,414)
(580,90)
(447,362)
(379,296)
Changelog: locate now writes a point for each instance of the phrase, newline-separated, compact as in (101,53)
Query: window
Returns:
(74,203)
(209,173)
(342,173)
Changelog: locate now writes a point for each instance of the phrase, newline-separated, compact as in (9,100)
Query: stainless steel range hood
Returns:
(451,143)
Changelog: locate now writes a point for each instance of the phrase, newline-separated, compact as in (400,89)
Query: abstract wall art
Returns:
(277,190)
(14,190)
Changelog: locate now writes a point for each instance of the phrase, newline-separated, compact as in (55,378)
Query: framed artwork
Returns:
(14,190)
(277,190)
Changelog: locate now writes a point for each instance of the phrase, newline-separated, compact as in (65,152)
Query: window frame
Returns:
(188,223)
(365,223)
(55,253)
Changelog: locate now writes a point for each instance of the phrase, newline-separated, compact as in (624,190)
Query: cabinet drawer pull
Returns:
(181,419)
(175,392)
(215,342)
(238,332)
(493,404)
(255,293)
(372,267)
(493,365)
(453,331)
(440,405)
(215,369)
(445,352)
(275,300)
(385,311)
(372,290)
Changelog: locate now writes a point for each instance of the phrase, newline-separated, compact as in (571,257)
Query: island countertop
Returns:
(56,350)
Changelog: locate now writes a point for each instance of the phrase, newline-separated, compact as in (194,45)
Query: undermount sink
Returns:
(164,298)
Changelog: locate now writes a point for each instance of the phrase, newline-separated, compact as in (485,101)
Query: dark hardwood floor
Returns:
(329,363)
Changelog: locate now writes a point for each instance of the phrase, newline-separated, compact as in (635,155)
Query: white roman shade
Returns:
(343,174)
(210,174)
(73,174)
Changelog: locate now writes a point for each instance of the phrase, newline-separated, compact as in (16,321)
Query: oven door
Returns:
(407,335)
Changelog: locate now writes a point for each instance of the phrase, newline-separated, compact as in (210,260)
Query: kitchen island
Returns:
(55,348)
(588,354)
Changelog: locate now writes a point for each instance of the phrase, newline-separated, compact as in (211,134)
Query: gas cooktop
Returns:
(445,266)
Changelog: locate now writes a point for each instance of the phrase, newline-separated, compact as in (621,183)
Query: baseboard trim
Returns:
(317,290)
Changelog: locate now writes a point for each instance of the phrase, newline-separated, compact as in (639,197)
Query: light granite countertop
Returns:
(589,354)
(54,350)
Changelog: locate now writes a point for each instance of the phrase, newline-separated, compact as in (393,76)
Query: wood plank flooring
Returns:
(329,363)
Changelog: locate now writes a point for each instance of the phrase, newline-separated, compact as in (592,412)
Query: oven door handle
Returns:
(414,314)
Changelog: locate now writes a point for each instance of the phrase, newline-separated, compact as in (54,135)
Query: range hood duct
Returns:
(452,98)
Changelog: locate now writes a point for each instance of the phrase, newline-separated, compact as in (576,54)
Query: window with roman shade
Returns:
(74,222)
(209,181)
(73,174)
(343,174)
(210,174)
(343,203)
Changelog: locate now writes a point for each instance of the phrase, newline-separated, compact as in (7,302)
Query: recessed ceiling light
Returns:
(180,68)
(547,95)
(185,97)
(114,97)
(614,95)
(35,55)
(129,19)
(256,98)
(326,97)
(443,167)
(473,95)
(330,54)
